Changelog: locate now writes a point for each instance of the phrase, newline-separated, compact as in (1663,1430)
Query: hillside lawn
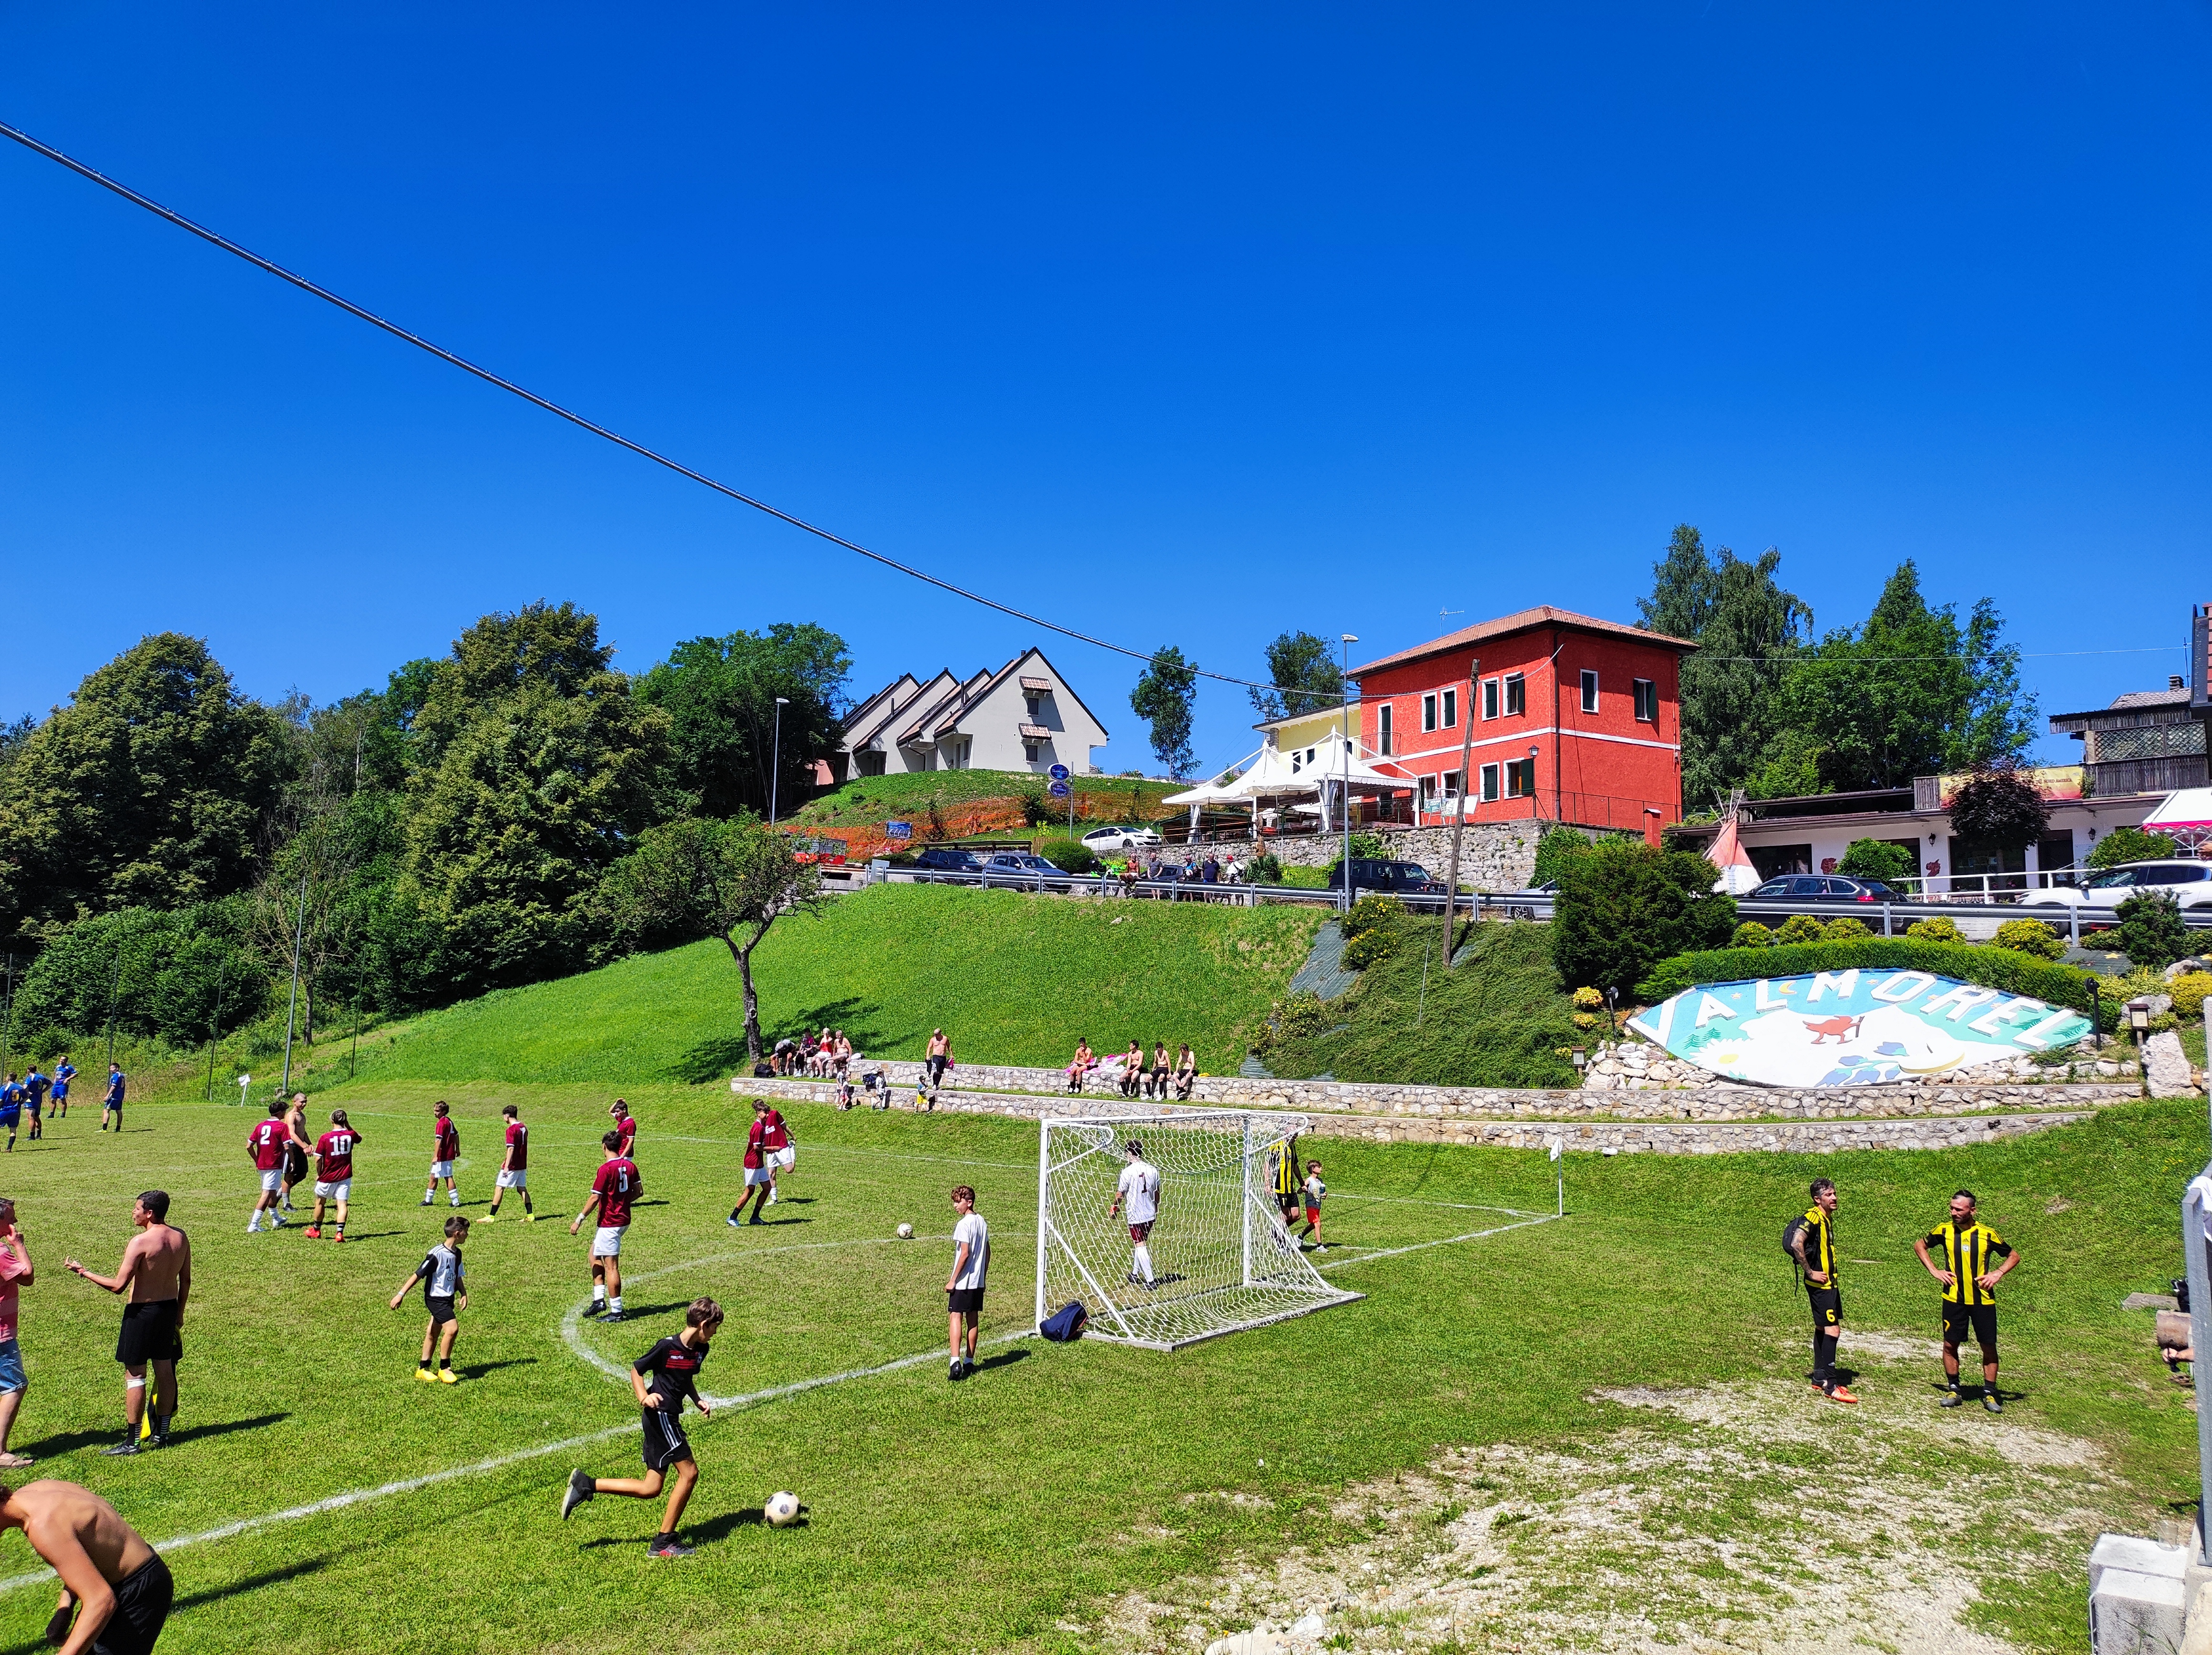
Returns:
(1005,1512)
(1011,977)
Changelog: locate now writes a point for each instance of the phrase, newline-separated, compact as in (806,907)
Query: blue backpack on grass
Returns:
(1065,1325)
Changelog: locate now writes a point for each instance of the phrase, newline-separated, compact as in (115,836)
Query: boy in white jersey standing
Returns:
(1139,1186)
(964,1287)
(445,1294)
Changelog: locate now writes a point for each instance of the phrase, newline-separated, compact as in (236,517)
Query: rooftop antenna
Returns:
(1445,613)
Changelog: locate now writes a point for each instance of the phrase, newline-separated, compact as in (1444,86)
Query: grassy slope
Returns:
(978,1515)
(1012,978)
(1496,1019)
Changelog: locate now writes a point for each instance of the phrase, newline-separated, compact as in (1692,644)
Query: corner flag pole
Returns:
(1562,1172)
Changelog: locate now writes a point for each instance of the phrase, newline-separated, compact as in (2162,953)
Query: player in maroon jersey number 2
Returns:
(662,1377)
(613,1191)
(444,1150)
(266,1144)
(514,1168)
(333,1174)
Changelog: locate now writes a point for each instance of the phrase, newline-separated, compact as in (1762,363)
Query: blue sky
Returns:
(1176,325)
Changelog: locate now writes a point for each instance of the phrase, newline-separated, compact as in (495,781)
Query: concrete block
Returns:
(2171,1076)
(2132,1614)
(2197,1639)
(2141,1556)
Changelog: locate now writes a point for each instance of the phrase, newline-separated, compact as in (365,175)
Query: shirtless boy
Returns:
(157,1273)
(105,1565)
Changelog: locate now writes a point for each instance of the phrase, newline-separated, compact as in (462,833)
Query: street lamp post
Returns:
(775,759)
(1344,799)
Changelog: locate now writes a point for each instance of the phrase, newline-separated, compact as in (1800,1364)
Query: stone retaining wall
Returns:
(1716,1103)
(1612,1137)
(1493,856)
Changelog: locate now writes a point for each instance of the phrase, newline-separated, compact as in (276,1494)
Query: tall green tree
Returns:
(150,789)
(1623,907)
(1748,629)
(1912,693)
(720,695)
(1301,677)
(1164,698)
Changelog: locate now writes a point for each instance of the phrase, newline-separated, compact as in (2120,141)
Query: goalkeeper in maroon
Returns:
(662,1377)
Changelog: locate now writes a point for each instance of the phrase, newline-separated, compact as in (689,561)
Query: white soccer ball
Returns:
(906,1232)
(782,1509)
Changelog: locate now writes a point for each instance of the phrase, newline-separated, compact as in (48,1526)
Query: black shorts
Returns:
(295,1163)
(441,1306)
(150,1334)
(142,1609)
(1981,1320)
(1289,1204)
(1827,1306)
(664,1441)
(964,1301)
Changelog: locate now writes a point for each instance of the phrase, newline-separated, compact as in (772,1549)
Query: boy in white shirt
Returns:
(1139,1186)
(963,1287)
(1315,1190)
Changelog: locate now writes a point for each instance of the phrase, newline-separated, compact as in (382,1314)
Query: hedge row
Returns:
(1989,967)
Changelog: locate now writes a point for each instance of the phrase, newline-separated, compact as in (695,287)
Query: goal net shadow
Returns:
(1221,1257)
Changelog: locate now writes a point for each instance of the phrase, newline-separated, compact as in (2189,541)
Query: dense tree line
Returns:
(167,841)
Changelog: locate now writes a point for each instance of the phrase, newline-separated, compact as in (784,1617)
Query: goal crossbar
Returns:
(1222,1259)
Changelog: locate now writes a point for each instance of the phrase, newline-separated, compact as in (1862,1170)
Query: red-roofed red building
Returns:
(1574,719)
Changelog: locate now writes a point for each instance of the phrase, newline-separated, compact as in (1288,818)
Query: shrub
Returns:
(1371,947)
(1037,808)
(1369,847)
(1302,1015)
(1935,930)
(1752,934)
(2188,991)
(1874,859)
(1264,870)
(1375,909)
(1843,930)
(1070,856)
(1557,847)
(1589,999)
(1798,928)
(2125,845)
(2151,930)
(2045,980)
(1999,806)
(2032,937)
(1624,906)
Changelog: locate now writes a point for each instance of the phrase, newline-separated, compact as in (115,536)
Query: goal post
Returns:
(1222,1260)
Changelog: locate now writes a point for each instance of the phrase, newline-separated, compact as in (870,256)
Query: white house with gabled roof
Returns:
(1021,717)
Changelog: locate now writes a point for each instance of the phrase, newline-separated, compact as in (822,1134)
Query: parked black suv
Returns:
(1828,888)
(1399,878)
(944,859)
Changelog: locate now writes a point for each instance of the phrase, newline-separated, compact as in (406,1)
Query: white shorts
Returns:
(272,1180)
(515,1178)
(606,1241)
(758,1175)
(440,1169)
(787,1157)
(341,1191)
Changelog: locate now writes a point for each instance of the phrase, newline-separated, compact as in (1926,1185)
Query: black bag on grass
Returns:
(1066,1323)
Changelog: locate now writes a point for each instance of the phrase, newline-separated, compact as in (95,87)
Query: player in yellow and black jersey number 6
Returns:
(1971,1261)
(1812,1241)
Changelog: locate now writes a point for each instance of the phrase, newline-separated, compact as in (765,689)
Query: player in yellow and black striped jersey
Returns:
(1970,1260)
(1812,1241)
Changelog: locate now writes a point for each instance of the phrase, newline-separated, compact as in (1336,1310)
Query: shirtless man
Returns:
(105,1564)
(157,1273)
(297,1146)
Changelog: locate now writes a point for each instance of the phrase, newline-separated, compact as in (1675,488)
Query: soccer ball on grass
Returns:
(906,1232)
(782,1509)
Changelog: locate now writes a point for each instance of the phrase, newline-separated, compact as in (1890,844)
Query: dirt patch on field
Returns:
(1756,1516)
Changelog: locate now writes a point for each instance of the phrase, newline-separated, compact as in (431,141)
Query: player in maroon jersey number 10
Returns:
(333,1173)
(613,1191)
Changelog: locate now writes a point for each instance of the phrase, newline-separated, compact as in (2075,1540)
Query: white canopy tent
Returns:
(2184,817)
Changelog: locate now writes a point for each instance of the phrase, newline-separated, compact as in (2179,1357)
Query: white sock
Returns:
(1144,1261)
(616,1303)
(598,1296)
(253,1224)
(455,1198)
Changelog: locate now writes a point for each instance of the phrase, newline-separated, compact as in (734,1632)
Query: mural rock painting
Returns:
(1857,1028)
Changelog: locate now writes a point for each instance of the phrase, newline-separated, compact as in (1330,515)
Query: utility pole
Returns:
(114,983)
(215,1023)
(299,932)
(1344,719)
(1459,821)
(7,1010)
(775,758)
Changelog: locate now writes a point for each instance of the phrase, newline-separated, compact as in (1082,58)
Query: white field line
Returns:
(572,1336)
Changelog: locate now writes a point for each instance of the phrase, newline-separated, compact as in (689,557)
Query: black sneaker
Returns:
(952,1374)
(612,1316)
(667,1545)
(128,1445)
(1989,1402)
(967,1370)
(578,1491)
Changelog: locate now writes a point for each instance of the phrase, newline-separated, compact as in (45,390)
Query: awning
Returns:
(1034,732)
(2185,816)
(1038,686)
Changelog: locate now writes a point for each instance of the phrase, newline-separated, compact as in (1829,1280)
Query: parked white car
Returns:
(1122,839)
(2188,883)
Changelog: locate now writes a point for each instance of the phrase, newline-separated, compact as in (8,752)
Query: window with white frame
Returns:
(1428,712)
(1519,778)
(1428,793)
(1489,783)
(1451,784)
(1490,698)
(1451,709)
(1647,702)
(1516,695)
(1589,690)
(1383,729)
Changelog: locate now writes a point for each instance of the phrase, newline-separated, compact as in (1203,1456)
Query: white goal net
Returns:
(1218,1256)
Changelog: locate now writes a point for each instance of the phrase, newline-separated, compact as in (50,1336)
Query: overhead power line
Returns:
(363,314)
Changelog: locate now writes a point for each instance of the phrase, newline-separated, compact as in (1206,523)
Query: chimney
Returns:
(2175,681)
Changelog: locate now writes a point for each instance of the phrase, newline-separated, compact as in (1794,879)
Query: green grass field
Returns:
(1002,1512)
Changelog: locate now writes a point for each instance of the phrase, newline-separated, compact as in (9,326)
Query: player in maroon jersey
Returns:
(776,1149)
(266,1144)
(662,1377)
(758,1172)
(333,1173)
(613,1191)
(513,1167)
(444,1150)
(625,1125)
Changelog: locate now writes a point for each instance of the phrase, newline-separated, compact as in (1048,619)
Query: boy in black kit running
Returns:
(674,1365)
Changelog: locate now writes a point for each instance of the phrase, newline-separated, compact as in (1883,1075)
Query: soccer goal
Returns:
(1222,1260)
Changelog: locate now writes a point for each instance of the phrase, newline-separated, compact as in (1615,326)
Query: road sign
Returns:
(898,830)
(1058,773)
(1059,790)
